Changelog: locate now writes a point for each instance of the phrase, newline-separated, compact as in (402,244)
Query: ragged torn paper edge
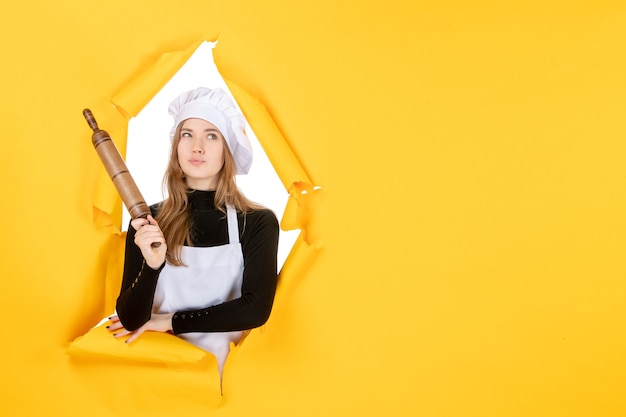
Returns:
(301,189)
(129,101)
(134,97)
(151,347)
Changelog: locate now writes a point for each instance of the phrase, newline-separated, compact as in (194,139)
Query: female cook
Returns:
(213,276)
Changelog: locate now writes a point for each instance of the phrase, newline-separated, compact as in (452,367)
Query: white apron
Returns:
(212,276)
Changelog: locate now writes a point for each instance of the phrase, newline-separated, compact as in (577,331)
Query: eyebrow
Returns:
(209,129)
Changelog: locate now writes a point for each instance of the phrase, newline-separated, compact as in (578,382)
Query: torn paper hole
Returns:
(148,145)
(287,171)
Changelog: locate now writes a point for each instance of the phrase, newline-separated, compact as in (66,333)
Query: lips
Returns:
(196,161)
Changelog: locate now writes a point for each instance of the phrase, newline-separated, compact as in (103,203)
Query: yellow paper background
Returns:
(469,234)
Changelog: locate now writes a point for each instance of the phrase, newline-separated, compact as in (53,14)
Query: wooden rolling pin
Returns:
(117,170)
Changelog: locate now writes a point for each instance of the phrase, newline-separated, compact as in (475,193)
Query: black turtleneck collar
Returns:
(201,200)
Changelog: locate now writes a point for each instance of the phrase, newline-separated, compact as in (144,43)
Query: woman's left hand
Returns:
(157,323)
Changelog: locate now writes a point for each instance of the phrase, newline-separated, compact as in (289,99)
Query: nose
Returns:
(196,146)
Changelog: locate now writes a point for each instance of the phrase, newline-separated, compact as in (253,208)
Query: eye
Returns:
(212,136)
(185,135)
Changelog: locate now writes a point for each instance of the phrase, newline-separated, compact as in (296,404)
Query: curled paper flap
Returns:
(284,161)
(141,89)
(151,347)
(289,169)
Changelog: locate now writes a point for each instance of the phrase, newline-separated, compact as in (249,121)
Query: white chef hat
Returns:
(216,107)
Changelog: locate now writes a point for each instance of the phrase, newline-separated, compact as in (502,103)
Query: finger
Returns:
(147,230)
(114,327)
(138,223)
(121,333)
(152,221)
(148,249)
(135,335)
(148,237)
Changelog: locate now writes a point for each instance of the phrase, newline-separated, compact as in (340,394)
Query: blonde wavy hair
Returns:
(174,217)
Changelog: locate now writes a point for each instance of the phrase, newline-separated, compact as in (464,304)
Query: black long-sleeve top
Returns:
(258,234)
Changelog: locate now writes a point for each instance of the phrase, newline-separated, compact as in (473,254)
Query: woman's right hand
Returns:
(149,232)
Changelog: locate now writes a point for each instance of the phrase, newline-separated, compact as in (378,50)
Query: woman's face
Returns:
(200,153)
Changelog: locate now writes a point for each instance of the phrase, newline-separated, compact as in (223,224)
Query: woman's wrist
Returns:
(157,267)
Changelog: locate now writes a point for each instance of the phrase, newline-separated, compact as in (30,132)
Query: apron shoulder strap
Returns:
(233,226)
